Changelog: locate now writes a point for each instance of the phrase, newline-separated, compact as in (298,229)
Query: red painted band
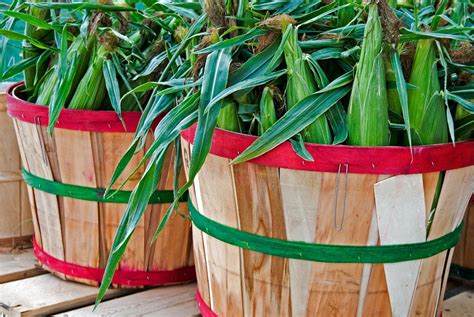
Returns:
(121,277)
(206,311)
(79,120)
(388,160)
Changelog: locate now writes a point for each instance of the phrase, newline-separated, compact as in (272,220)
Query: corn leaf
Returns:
(453,34)
(195,27)
(292,122)
(168,130)
(137,204)
(216,73)
(254,66)
(33,20)
(79,6)
(402,92)
(156,107)
(336,116)
(66,70)
(21,37)
(238,40)
(243,85)
(297,143)
(19,67)
(466,104)
(113,89)
(290,7)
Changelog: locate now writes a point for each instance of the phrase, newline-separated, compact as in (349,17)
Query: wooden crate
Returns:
(15,216)
(27,290)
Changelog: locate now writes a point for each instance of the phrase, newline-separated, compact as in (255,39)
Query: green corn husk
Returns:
(464,123)
(267,110)
(228,117)
(301,84)
(46,89)
(80,47)
(32,73)
(394,105)
(368,110)
(392,92)
(345,15)
(426,107)
(91,90)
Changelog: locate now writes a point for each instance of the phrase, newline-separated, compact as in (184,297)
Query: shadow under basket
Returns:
(74,225)
(15,216)
(348,234)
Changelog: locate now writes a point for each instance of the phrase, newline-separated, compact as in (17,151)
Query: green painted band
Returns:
(462,272)
(323,252)
(91,194)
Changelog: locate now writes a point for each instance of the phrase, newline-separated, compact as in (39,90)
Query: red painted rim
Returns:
(206,311)
(389,160)
(79,120)
(121,277)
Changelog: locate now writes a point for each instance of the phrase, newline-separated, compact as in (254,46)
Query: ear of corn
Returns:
(394,104)
(267,110)
(228,118)
(42,35)
(368,110)
(426,106)
(78,47)
(91,90)
(47,87)
(300,84)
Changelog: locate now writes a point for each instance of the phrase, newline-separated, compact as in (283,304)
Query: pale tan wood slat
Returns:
(46,294)
(16,266)
(170,301)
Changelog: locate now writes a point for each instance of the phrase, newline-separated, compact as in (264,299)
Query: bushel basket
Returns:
(15,216)
(344,235)
(74,224)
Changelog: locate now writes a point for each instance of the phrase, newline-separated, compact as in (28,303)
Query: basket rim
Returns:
(380,160)
(71,119)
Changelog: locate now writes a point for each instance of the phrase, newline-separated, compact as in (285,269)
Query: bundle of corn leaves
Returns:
(367,74)
(90,55)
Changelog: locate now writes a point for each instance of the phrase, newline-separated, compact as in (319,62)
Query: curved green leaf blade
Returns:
(113,89)
(293,121)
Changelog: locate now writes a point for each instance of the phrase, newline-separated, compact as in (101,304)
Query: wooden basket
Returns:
(463,258)
(73,236)
(349,196)
(16,227)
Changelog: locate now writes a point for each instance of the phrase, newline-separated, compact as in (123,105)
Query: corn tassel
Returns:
(368,110)
(426,107)
(228,118)
(267,110)
(301,84)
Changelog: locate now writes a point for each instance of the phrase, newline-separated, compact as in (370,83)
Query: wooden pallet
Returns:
(27,290)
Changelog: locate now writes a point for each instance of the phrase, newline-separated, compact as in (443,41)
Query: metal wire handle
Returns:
(337,226)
